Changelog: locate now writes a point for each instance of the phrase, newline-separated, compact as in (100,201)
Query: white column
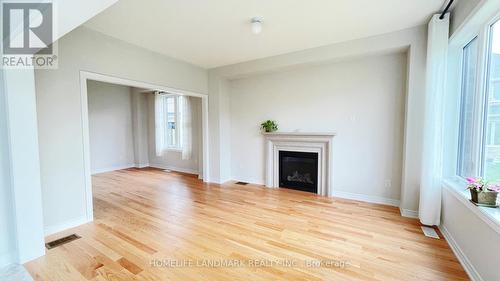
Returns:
(269,163)
(19,90)
(140,128)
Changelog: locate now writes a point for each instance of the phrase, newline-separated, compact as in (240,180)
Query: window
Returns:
(491,151)
(173,124)
(479,130)
(167,122)
(466,132)
(493,134)
(172,121)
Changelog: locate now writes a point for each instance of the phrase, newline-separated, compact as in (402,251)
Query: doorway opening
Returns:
(132,124)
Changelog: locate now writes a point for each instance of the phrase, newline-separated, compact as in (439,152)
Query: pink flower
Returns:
(495,187)
(471,180)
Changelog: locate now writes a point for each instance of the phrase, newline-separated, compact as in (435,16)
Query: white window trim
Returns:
(477,102)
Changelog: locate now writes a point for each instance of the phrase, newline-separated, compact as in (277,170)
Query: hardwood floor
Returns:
(153,225)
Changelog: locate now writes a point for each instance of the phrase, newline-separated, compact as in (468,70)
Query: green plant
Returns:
(269,126)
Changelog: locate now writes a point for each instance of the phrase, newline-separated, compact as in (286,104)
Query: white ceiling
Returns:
(212,33)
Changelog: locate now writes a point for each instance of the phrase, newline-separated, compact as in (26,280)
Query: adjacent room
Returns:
(136,128)
(241,140)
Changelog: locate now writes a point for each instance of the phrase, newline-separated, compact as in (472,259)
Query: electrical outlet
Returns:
(388,183)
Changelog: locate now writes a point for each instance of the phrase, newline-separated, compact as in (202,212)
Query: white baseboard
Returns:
(14,272)
(408,213)
(7,259)
(140,166)
(345,195)
(52,229)
(366,198)
(176,169)
(222,181)
(113,168)
(462,258)
(215,180)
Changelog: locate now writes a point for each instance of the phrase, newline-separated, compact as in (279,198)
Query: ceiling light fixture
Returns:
(256,25)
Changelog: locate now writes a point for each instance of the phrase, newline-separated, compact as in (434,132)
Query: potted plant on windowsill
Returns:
(482,193)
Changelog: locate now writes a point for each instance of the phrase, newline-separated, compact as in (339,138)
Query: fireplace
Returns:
(298,170)
(315,143)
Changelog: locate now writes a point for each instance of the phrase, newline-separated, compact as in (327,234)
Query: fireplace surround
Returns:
(316,143)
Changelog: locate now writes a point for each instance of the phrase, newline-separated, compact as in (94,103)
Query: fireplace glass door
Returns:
(298,170)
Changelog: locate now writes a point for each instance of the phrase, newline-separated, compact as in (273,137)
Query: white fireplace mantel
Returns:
(319,142)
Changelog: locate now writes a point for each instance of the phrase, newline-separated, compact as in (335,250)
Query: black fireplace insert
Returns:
(299,170)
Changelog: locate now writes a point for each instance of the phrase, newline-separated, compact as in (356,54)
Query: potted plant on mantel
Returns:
(269,126)
(482,193)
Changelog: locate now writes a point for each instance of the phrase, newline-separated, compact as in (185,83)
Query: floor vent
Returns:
(241,183)
(61,241)
(430,232)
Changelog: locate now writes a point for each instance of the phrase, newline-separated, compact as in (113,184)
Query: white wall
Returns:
(173,159)
(361,100)
(110,126)
(478,243)
(72,13)
(140,126)
(24,163)
(60,118)
(460,12)
(7,237)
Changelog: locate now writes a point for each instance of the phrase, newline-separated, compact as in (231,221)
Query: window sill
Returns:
(174,149)
(489,215)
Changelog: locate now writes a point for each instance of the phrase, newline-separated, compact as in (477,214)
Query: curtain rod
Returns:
(446,9)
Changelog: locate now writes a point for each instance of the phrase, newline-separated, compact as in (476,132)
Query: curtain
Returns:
(160,123)
(432,157)
(186,126)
